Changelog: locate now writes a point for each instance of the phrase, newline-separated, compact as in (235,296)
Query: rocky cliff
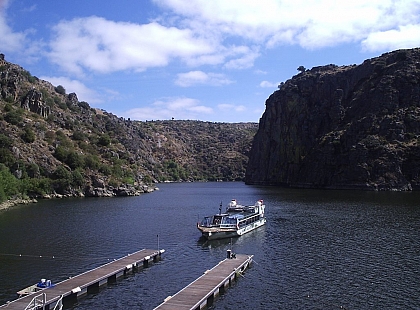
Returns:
(51,144)
(348,127)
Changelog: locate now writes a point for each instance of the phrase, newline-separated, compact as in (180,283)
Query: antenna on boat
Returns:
(158,241)
(220,208)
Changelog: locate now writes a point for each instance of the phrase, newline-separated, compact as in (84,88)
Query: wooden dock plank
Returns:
(196,293)
(84,280)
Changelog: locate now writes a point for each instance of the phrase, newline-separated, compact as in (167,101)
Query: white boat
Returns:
(237,220)
(35,288)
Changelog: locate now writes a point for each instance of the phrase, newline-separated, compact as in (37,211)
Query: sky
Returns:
(208,60)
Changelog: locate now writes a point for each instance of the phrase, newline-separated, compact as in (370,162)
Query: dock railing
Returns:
(59,304)
(37,302)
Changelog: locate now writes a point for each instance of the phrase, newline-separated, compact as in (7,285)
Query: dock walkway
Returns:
(202,291)
(90,280)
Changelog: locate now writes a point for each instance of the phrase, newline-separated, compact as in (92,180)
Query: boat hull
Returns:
(215,233)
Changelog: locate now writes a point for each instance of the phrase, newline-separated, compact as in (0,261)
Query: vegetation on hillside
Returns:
(50,143)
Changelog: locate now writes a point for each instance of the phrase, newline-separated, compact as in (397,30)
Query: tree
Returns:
(60,89)
(62,179)
(301,69)
(8,183)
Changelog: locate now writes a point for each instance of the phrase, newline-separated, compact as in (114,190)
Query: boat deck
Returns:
(201,293)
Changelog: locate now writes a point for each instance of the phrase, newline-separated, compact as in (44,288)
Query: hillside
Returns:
(53,144)
(348,127)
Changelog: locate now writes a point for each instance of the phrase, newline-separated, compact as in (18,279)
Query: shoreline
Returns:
(19,201)
(14,202)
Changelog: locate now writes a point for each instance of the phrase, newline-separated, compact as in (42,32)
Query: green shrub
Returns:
(8,107)
(92,162)
(28,135)
(77,178)
(50,136)
(128,180)
(5,141)
(9,99)
(61,173)
(104,140)
(61,153)
(62,105)
(32,170)
(35,186)
(13,117)
(49,102)
(147,179)
(78,136)
(106,170)
(6,157)
(74,160)
(31,79)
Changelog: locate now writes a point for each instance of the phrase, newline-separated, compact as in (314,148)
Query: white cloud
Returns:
(267,84)
(244,57)
(177,108)
(73,86)
(403,37)
(30,8)
(10,41)
(309,23)
(225,107)
(200,77)
(100,45)
(260,72)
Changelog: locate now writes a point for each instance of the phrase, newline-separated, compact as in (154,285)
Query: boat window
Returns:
(229,221)
(206,221)
(217,220)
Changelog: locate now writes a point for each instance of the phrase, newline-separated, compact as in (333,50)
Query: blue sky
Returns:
(215,60)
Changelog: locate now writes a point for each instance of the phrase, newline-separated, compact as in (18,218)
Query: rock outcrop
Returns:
(33,102)
(349,127)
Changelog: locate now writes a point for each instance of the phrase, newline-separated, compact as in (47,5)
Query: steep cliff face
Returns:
(343,127)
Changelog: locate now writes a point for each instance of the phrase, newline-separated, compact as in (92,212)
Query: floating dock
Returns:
(86,282)
(201,293)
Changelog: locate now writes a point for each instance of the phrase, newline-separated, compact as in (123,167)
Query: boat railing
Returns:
(227,225)
(37,302)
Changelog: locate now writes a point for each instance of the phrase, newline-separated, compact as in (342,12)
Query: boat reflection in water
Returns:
(237,221)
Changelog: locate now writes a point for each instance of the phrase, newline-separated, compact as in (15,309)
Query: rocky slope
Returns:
(53,144)
(349,127)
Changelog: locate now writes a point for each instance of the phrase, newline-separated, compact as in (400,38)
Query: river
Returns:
(318,250)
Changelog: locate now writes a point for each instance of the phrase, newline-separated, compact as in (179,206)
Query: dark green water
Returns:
(319,249)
